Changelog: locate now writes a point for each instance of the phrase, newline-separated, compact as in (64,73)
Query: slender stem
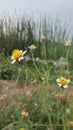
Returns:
(63,118)
(19,72)
(11,124)
(67,55)
(38,71)
(29,70)
(45,56)
(42,85)
(44,51)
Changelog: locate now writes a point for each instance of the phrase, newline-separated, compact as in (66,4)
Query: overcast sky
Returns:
(53,8)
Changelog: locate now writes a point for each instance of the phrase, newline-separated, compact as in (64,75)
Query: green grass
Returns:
(26,31)
(48,105)
(46,108)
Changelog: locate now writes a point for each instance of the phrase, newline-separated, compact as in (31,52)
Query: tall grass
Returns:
(22,32)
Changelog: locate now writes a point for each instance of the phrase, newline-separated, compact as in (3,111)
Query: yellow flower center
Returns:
(63,81)
(24,114)
(16,54)
(22,129)
(32,47)
(71,123)
(42,37)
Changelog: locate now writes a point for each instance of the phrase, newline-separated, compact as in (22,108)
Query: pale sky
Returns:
(61,8)
(53,8)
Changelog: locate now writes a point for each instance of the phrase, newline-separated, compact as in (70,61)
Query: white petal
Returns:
(20,59)
(12,58)
(24,52)
(68,81)
(13,61)
(65,86)
(21,51)
(59,84)
(57,80)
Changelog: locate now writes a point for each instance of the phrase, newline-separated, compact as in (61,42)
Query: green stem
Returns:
(67,55)
(38,71)
(44,91)
(44,51)
(63,119)
(19,72)
(48,108)
(12,124)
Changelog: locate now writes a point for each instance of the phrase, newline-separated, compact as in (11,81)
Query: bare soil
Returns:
(12,90)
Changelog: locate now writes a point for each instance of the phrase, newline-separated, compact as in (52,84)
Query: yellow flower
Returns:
(2,110)
(24,114)
(42,37)
(67,43)
(1,98)
(22,129)
(32,47)
(63,82)
(71,123)
(17,55)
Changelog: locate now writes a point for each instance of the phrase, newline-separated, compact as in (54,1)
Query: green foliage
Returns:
(26,31)
(48,104)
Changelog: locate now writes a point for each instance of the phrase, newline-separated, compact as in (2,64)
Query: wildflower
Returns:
(2,110)
(68,112)
(71,123)
(67,43)
(22,129)
(63,99)
(20,105)
(24,114)
(42,37)
(63,82)
(17,55)
(32,47)
(1,98)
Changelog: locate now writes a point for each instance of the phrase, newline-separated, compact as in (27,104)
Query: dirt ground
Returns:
(12,90)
